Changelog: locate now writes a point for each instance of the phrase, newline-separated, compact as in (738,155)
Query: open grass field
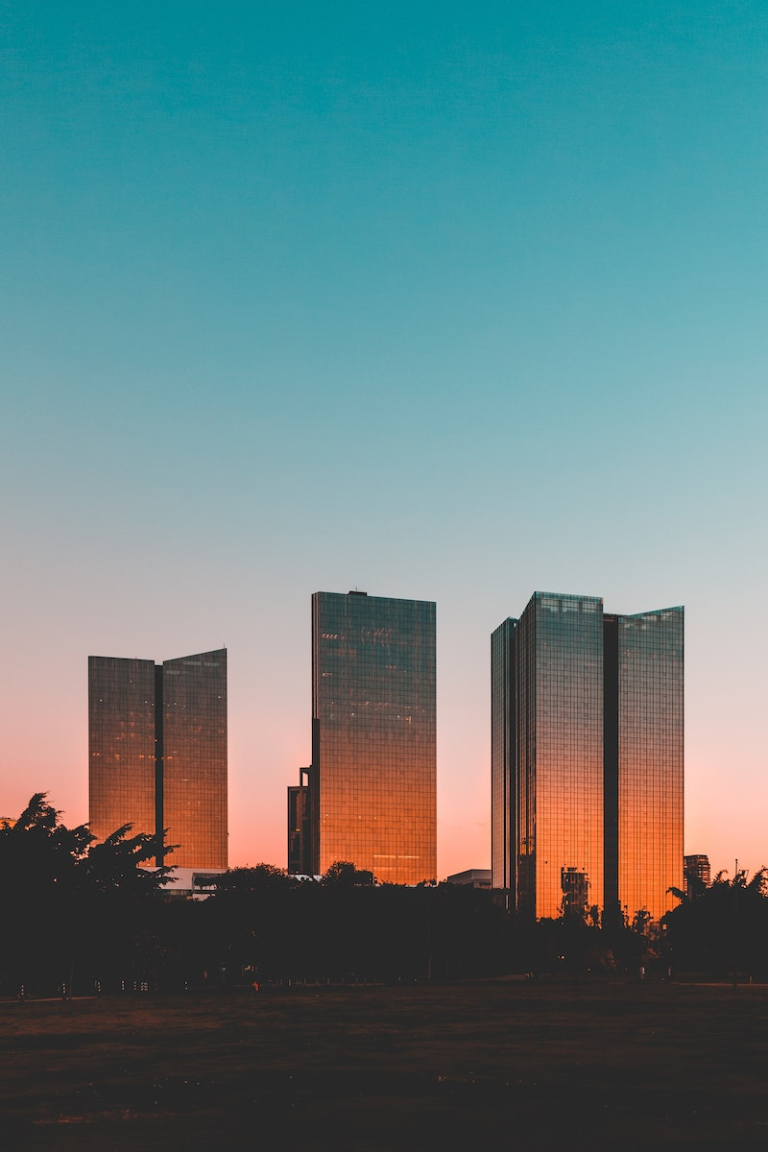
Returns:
(496,1065)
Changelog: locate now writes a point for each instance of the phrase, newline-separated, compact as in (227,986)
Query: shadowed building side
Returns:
(697,874)
(503,806)
(300,861)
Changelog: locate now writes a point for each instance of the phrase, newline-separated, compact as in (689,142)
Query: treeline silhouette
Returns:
(82,917)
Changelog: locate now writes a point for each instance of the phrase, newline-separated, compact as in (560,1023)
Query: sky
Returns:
(444,301)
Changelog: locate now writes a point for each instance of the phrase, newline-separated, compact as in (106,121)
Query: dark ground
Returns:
(498,1065)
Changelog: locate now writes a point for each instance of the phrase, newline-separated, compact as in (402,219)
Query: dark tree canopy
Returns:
(86,915)
(68,902)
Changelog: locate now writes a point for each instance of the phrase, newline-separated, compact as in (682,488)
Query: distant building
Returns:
(696,873)
(471,878)
(158,752)
(190,884)
(587,758)
(300,827)
(369,797)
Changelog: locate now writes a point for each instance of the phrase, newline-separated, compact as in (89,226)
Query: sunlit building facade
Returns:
(158,752)
(372,783)
(587,758)
(122,745)
(646,857)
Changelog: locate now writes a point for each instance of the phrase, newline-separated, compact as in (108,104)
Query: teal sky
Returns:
(441,301)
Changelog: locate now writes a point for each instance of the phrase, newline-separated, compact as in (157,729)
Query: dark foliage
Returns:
(71,908)
(721,929)
(84,916)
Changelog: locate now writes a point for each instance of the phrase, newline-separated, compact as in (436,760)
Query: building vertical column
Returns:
(312,851)
(159,716)
(300,861)
(612,909)
(504,830)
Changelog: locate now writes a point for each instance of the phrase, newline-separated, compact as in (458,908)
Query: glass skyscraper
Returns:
(587,758)
(158,752)
(371,793)
(121,738)
(649,767)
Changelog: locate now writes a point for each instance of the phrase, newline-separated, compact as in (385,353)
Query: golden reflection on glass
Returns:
(650,786)
(374,755)
(587,758)
(559,688)
(195,759)
(121,745)
(158,752)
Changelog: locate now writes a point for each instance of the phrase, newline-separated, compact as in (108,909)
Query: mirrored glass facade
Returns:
(558,695)
(194,792)
(650,767)
(121,745)
(587,758)
(373,778)
(158,752)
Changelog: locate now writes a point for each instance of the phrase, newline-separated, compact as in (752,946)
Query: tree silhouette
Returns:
(723,928)
(68,903)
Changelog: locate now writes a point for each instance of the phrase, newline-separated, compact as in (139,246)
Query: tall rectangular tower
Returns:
(158,752)
(587,758)
(557,697)
(648,773)
(122,706)
(503,806)
(372,783)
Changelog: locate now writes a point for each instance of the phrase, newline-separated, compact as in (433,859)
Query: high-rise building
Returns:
(587,758)
(644,760)
(123,771)
(370,793)
(158,752)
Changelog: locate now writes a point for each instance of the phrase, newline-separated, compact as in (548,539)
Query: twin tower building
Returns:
(586,751)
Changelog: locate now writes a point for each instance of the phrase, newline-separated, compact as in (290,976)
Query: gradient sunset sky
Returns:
(444,301)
